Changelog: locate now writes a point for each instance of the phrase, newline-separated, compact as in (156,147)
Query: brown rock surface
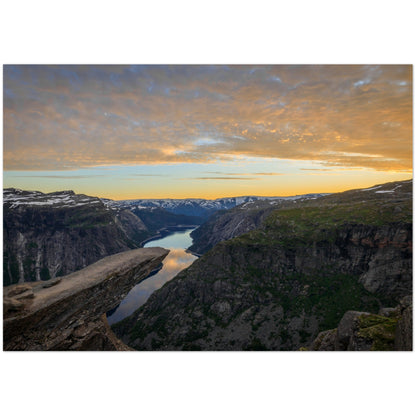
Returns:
(404,331)
(325,341)
(69,315)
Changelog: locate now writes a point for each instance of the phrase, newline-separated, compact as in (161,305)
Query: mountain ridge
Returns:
(197,206)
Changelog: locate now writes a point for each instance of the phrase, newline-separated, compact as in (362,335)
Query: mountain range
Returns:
(51,235)
(197,207)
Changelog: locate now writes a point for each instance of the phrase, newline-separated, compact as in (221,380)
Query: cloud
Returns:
(146,174)
(268,174)
(247,173)
(69,117)
(233,178)
(316,169)
(57,176)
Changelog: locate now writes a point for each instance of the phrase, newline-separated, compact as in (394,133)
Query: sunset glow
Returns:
(206,131)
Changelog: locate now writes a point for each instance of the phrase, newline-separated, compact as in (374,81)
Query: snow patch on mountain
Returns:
(371,189)
(14,198)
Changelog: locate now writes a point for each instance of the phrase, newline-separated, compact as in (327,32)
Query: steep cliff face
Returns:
(279,285)
(225,225)
(132,226)
(67,313)
(50,235)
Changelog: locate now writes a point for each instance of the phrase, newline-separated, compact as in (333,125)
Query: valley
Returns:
(178,259)
(297,273)
(51,235)
(274,273)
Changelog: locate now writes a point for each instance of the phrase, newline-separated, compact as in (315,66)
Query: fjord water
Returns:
(177,260)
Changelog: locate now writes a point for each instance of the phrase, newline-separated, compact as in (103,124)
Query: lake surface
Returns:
(177,259)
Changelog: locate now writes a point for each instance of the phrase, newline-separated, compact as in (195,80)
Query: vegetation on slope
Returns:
(293,225)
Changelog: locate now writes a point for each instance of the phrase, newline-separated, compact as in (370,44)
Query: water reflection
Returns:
(178,239)
(177,260)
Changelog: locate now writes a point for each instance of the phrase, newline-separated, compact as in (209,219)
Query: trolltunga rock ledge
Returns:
(69,313)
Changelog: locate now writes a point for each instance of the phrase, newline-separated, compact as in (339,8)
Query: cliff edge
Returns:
(67,314)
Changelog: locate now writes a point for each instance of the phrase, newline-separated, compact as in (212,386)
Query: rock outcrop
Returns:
(404,332)
(69,313)
(389,330)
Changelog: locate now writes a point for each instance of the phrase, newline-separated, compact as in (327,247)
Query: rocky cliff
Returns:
(50,235)
(225,225)
(69,313)
(389,330)
(297,274)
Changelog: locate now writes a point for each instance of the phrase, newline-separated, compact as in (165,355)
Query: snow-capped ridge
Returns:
(14,198)
(198,206)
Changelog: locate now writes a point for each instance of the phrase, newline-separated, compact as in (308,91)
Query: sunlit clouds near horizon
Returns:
(206,131)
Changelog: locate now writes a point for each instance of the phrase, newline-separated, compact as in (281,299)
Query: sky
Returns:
(186,131)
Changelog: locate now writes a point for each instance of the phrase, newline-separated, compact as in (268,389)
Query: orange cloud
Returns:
(67,117)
